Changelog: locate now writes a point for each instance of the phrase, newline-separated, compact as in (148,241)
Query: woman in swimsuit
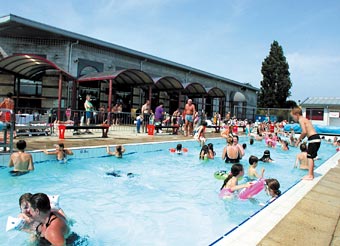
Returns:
(60,152)
(231,153)
(52,228)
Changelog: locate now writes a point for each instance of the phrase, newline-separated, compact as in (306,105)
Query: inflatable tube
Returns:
(273,142)
(253,190)
(221,175)
(54,201)
(14,223)
(328,130)
(172,150)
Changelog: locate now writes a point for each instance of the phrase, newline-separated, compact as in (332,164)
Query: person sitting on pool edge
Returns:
(118,152)
(21,161)
(53,228)
(60,152)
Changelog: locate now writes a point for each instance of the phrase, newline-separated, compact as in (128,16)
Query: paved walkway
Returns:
(313,221)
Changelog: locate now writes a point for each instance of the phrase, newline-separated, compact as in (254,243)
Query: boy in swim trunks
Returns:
(314,140)
(21,161)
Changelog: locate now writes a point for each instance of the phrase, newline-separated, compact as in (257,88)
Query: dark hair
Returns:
(211,147)
(204,123)
(303,147)
(179,147)
(40,201)
(9,95)
(21,145)
(266,156)
(244,145)
(234,171)
(205,150)
(274,185)
(119,150)
(251,141)
(25,197)
(61,145)
(253,159)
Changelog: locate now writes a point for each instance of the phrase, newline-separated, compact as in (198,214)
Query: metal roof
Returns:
(215,92)
(121,78)
(322,101)
(15,26)
(167,83)
(194,89)
(29,66)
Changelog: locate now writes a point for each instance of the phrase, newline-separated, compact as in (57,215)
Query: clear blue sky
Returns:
(224,37)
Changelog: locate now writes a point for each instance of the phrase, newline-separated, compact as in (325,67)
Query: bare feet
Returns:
(308,177)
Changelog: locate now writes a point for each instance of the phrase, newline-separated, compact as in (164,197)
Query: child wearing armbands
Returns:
(230,184)
(252,173)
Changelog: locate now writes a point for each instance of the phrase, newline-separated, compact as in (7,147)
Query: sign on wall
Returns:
(334,114)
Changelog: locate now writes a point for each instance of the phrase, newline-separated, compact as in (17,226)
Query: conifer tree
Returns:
(276,84)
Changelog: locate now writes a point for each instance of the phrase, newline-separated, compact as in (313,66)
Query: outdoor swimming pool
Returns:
(170,200)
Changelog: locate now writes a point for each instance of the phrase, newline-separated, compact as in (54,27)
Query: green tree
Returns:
(276,84)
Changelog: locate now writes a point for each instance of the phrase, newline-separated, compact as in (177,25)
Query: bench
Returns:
(174,128)
(69,127)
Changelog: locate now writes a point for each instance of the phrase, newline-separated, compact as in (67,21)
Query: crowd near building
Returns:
(47,67)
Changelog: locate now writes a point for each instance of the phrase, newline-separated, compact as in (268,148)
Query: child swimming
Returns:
(230,184)
(252,173)
(266,157)
(273,189)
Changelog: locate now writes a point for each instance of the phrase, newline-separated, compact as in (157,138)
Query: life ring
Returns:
(253,190)
(273,142)
(221,175)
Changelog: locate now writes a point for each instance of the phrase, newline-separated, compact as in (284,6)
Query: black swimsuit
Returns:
(42,240)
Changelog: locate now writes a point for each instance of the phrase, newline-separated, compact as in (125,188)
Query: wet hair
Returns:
(205,150)
(266,156)
(244,145)
(251,141)
(234,171)
(253,159)
(230,140)
(9,95)
(286,143)
(61,145)
(179,147)
(211,147)
(303,147)
(25,197)
(274,185)
(297,110)
(21,145)
(40,201)
(119,150)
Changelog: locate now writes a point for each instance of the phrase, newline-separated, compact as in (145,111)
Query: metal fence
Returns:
(122,121)
(261,114)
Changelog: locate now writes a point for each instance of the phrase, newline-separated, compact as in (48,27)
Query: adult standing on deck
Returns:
(89,110)
(7,103)
(146,114)
(159,112)
(189,112)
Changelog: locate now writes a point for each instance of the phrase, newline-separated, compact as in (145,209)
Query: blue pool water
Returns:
(170,200)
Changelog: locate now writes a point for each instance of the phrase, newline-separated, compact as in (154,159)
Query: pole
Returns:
(59,94)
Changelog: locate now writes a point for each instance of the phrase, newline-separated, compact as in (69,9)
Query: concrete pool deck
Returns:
(314,220)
